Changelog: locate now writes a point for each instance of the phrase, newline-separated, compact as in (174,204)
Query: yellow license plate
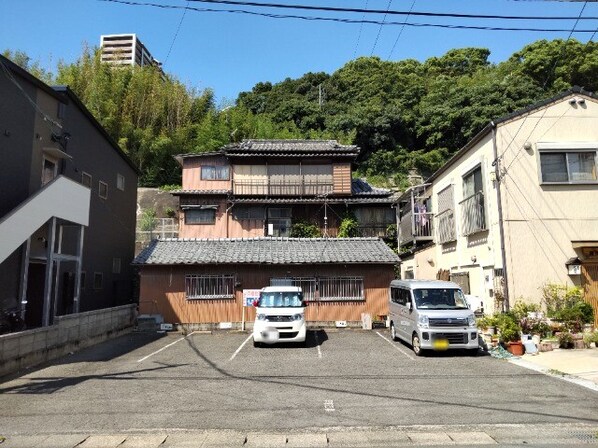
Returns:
(440,344)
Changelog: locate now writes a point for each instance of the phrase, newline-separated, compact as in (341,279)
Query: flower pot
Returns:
(515,348)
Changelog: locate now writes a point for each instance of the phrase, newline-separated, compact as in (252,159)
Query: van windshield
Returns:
(440,299)
(278,299)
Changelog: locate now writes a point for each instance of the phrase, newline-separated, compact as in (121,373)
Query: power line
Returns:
(380,29)
(349,21)
(176,34)
(381,11)
(498,158)
(48,121)
(360,29)
(401,32)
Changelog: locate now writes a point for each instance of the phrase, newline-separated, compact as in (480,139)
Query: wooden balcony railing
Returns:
(270,187)
(473,214)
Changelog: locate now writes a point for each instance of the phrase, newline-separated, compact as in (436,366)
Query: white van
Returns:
(431,315)
(280,316)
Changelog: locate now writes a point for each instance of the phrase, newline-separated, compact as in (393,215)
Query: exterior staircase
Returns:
(61,198)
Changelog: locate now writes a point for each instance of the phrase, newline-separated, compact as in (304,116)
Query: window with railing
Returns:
(445,219)
(472,208)
(198,287)
(331,289)
(341,288)
(282,180)
(307,285)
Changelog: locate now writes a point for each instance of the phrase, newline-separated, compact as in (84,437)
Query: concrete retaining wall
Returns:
(70,333)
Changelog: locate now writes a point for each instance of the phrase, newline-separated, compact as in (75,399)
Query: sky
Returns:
(231,52)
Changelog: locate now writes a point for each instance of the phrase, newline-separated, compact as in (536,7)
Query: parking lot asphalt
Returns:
(346,378)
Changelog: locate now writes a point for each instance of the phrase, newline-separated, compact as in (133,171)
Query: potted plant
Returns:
(510,334)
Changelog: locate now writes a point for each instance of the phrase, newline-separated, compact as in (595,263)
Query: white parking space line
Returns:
(408,355)
(318,345)
(241,347)
(165,347)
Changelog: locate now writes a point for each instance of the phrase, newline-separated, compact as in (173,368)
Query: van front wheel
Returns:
(393,332)
(416,345)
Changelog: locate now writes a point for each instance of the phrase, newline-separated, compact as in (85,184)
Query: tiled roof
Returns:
(360,187)
(206,192)
(267,251)
(283,146)
(330,200)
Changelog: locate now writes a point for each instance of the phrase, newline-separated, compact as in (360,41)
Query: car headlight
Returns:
(261,317)
(423,321)
(297,317)
(471,321)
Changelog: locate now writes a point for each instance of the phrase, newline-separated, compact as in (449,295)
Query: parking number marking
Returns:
(329,406)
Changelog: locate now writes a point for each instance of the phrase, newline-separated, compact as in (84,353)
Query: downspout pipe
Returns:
(496,164)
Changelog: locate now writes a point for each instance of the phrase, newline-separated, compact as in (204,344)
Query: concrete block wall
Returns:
(70,333)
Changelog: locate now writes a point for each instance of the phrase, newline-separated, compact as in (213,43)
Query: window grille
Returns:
(200,216)
(307,285)
(247,212)
(209,287)
(341,288)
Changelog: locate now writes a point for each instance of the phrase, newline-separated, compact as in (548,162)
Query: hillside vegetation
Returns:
(404,114)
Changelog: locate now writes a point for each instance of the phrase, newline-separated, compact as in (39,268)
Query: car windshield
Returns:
(278,299)
(440,299)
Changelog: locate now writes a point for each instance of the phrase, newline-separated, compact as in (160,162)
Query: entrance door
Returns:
(589,274)
(34,309)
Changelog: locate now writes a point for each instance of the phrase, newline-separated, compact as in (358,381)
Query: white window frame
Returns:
(566,148)
(120,182)
(100,183)
(209,287)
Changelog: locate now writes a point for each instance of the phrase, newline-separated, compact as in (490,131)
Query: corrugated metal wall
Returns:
(163,292)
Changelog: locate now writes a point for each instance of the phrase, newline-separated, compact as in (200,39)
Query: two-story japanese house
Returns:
(237,211)
(262,187)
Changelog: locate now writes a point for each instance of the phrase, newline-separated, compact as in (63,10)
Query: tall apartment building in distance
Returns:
(126,49)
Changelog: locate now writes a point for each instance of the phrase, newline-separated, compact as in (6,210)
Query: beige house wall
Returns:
(541,221)
(421,264)
(477,254)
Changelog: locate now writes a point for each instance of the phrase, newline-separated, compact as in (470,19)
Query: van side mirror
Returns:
(409,306)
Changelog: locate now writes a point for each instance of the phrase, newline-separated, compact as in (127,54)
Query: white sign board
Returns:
(249,295)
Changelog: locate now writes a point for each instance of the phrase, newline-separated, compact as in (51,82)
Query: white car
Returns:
(280,316)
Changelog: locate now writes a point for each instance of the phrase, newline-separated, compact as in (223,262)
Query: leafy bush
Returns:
(565,339)
(170,212)
(303,229)
(172,187)
(349,227)
(590,337)
(509,328)
(487,321)
(147,222)
(522,309)
(565,304)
